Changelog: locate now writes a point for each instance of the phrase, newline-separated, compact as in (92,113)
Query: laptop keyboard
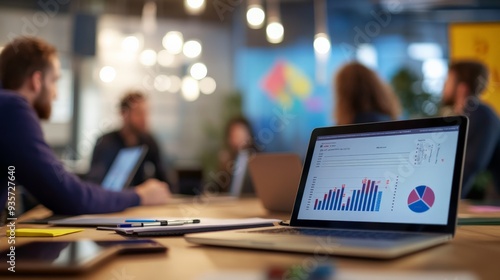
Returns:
(354,234)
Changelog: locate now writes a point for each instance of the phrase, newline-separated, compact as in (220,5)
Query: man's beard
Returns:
(43,104)
(136,131)
(450,100)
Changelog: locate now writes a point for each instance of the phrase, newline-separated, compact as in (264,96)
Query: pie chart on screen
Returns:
(421,199)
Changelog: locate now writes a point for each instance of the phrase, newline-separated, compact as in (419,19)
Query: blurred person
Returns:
(362,97)
(134,112)
(29,71)
(466,81)
(238,136)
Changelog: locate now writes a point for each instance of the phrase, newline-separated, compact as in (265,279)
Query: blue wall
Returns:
(294,97)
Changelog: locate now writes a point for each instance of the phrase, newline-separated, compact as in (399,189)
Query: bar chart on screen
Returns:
(354,194)
(398,177)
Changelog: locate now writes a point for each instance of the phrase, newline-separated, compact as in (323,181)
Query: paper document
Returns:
(206,224)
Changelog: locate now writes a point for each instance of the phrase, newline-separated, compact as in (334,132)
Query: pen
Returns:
(160,223)
(194,221)
(181,222)
(151,224)
(129,225)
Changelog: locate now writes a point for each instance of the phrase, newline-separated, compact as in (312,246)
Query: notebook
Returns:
(275,177)
(43,232)
(205,225)
(379,190)
(94,221)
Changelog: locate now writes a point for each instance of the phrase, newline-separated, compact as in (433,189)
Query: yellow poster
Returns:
(480,41)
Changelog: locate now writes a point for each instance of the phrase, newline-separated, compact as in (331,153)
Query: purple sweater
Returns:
(38,170)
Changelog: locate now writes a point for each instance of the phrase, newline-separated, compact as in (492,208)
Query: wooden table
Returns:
(475,249)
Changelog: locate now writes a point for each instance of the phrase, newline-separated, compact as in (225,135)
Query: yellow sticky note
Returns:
(43,232)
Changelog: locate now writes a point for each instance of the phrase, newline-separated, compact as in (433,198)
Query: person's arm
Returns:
(37,169)
(480,147)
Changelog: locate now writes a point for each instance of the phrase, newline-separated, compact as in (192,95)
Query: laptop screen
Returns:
(394,176)
(123,168)
(241,183)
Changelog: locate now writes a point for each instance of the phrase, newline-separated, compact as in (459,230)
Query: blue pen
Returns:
(129,225)
(151,224)
(140,221)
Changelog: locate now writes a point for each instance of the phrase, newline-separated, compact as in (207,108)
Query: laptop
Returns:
(240,185)
(124,168)
(379,190)
(189,181)
(275,177)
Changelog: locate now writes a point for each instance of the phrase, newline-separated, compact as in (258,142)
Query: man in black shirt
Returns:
(134,112)
(466,81)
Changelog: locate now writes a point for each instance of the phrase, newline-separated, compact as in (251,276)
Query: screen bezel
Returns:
(461,121)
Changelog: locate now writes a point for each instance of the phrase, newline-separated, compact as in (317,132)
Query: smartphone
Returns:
(72,257)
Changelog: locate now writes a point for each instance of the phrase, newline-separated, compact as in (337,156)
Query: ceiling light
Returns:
(207,85)
(173,41)
(275,32)
(192,49)
(255,16)
(148,57)
(194,7)
(321,43)
(198,71)
(107,74)
(130,44)
(190,89)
